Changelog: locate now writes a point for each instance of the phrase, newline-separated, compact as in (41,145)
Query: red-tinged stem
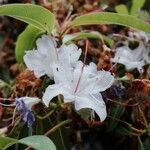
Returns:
(8,99)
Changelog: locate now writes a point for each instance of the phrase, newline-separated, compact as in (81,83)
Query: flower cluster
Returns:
(134,57)
(79,84)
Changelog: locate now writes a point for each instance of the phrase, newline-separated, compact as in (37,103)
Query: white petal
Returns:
(68,38)
(105,80)
(147,55)
(51,92)
(29,101)
(69,54)
(140,35)
(89,71)
(45,44)
(133,65)
(42,60)
(131,58)
(100,83)
(94,102)
(33,61)
(93,81)
(68,97)
(63,75)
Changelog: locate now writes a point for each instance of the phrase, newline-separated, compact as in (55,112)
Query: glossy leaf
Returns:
(111,18)
(26,41)
(35,15)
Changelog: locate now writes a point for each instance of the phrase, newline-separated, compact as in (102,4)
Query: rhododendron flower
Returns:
(140,35)
(68,55)
(42,59)
(47,55)
(81,86)
(24,106)
(132,58)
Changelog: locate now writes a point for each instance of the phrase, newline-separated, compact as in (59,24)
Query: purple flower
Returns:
(24,106)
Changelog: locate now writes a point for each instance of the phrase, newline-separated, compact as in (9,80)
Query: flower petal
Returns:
(29,101)
(34,62)
(103,81)
(41,61)
(94,102)
(132,58)
(51,92)
(45,44)
(69,54)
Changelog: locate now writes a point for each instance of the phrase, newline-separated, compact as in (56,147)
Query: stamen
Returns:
(77,86)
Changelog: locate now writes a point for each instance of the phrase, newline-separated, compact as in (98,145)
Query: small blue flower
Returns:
(24,106)
(29,118)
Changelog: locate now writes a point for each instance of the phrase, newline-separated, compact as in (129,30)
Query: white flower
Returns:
(132,58)
(81,88)
(68,55)
(43,60)
(140,35)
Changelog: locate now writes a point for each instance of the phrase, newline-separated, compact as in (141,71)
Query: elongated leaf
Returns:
(6,142)
(81,35)
(38,142)
(124,131)
(85,35)
(117,112)
(140,144)
(26,41)
(111,18)
(122,9)
(35,15)
(136,6)
(90,35)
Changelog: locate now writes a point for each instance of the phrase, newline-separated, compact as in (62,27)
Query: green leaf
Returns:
(6,142)
(122,9)
(32,14)
(26,41)
(81,35)
(85,35)
(116,111)
(136,6)
(38,142)
(111,18)
(124,131)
